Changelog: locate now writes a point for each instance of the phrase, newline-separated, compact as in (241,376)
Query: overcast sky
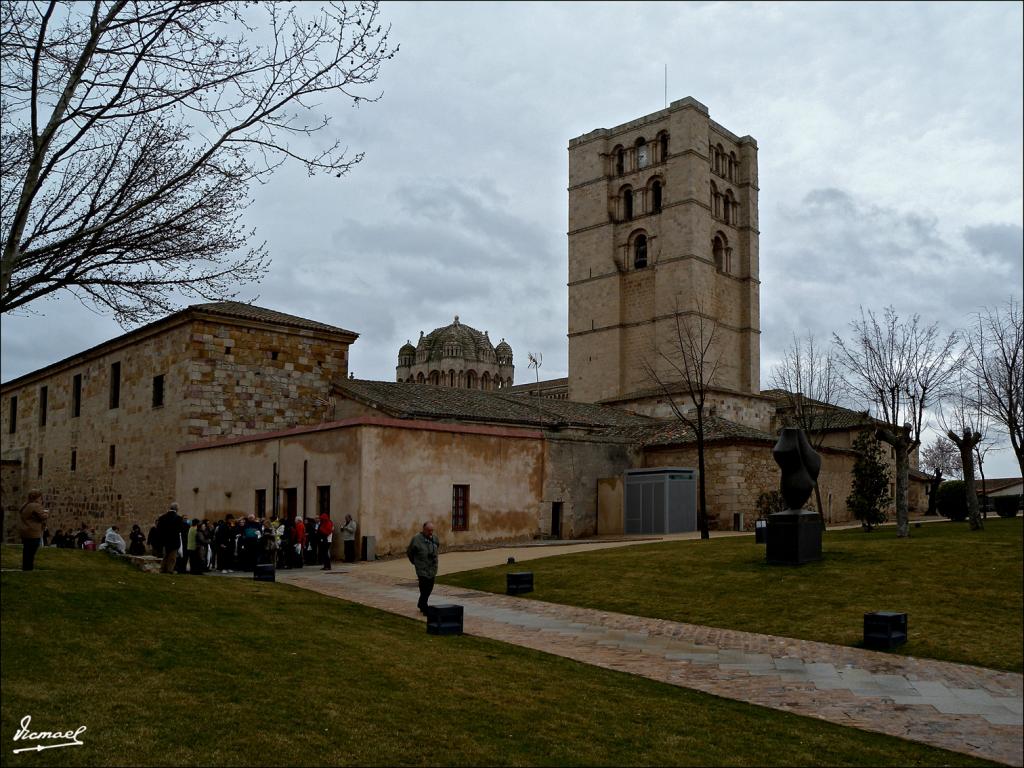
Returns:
(890,159)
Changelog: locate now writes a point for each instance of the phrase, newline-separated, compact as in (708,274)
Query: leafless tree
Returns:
(940,458)
(812,385)
(995,358)
(689,357)
(132,132)
(901,368)
(966,426)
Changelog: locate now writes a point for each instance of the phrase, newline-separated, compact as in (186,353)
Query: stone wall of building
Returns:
(219,378)
(572,469)
(750,410)
(621,308)
(107,464)
(246,379)
(11,495)
(738,473)
(390,475)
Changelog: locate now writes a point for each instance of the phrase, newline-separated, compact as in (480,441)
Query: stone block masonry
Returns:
(97,432)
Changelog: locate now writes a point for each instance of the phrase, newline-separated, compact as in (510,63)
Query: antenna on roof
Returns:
(536,361)
(666,85)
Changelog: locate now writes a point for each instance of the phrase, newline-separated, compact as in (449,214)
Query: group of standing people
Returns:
(231,544)
(240,544)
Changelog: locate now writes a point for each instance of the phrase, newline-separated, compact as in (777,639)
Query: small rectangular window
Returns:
(291,502)
(323,500)
(261,502)
(76,396)
(112,460)
(158,391)
(74,459)
(12,424)
(115,385)
(39,466)
(460,507)
(44,396)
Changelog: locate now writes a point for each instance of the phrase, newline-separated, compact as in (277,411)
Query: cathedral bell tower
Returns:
(662,220)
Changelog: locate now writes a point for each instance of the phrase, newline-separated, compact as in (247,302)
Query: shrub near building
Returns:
(952,500)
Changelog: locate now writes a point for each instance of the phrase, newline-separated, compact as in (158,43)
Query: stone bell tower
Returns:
(662,220)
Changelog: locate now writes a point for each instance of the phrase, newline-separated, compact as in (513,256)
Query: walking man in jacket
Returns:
(422,553)
(31,528)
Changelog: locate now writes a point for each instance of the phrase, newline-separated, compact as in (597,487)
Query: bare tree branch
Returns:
(690,357)
(131,132)
(810,381)
(995,359)
(900,368)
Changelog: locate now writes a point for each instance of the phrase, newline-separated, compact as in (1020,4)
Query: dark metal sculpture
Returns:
(793,536)
(800,465)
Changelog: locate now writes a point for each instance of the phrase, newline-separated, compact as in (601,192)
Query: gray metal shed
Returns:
(661,500)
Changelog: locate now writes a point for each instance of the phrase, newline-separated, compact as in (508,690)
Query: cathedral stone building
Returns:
(456,355)
(662,225)
(238,410)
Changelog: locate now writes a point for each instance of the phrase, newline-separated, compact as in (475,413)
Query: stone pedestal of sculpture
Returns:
(794,535)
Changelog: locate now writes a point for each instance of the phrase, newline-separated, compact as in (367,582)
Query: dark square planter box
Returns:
(885,629)
(518,583)
(264,572)
(444,619)
(793,537)
(760,531)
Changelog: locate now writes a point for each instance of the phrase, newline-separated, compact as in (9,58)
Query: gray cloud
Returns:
(840,253)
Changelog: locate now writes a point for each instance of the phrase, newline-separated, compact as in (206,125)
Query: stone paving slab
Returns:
(966,709)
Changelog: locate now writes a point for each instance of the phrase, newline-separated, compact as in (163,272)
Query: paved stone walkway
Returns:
(958,707)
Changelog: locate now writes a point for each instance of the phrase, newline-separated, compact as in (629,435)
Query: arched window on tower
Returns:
(485,381)
(435,378)
(656,196)
(727,208)
(451,378)
(620,161)
(716,202)
(663,145)
(640,251)
(471,382)
(719,160)
(419,378)
(733,166)
(643,153)
(627,204)
(719,248)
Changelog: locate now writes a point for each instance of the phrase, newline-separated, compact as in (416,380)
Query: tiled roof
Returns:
(828,416)
(993,484)
(716,429)
(543,386)
(424,401)
(236,309)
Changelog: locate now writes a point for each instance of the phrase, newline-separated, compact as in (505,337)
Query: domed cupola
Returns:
(504,353)
(456,355)
(407,354)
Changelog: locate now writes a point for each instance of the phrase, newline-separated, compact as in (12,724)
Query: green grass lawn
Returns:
(176,670)
(960,589)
